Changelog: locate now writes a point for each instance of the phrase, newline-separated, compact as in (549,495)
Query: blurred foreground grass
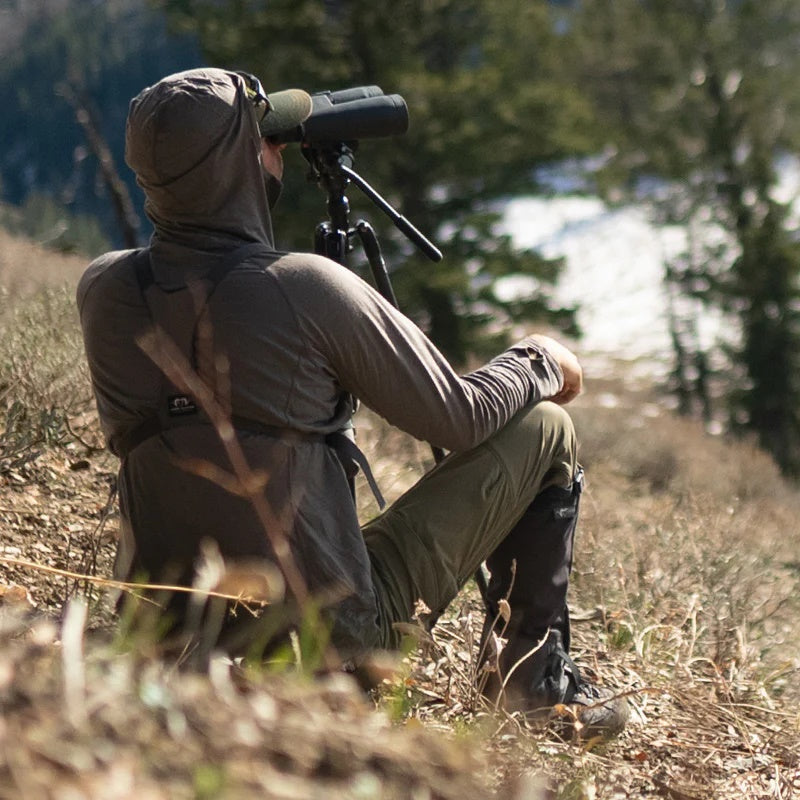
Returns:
(686,594)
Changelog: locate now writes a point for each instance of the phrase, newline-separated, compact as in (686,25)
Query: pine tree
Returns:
(109,51)
(704,94)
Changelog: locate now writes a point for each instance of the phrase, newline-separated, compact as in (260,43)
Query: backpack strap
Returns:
(349,453)
(179,409)
(174,407)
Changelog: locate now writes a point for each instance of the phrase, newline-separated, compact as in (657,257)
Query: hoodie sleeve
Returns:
(384,359)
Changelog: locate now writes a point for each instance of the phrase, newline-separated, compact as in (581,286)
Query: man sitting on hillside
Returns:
(282,342)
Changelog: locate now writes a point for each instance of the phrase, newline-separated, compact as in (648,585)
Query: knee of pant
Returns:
(553,424)
(553,420)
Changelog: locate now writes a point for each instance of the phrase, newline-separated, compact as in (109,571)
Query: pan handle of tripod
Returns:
(400,222)
(417,237)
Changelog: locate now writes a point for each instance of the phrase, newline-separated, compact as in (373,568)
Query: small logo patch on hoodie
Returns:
(179,405)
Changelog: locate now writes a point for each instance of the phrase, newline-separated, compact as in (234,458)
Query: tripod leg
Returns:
(372,248)
(331,242)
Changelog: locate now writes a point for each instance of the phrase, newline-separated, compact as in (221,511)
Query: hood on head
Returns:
(193,141)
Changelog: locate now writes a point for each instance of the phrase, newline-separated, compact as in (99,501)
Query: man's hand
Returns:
(568,361)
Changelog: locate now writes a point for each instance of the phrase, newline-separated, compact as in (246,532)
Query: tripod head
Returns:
(327,165)
(332,168)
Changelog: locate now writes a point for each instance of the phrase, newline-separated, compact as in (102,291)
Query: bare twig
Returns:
(72,657)
(120,197)
(242,599)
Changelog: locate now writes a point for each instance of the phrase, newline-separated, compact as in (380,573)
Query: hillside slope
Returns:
(686,596)
(26,266)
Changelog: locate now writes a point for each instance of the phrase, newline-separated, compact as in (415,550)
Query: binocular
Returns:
(363,112)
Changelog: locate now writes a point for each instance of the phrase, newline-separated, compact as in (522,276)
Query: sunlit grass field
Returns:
(685,596)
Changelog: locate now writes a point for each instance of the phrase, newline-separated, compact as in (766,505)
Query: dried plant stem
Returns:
(72,657)
(241,599)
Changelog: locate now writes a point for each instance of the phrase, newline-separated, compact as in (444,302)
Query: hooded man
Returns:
(282,342)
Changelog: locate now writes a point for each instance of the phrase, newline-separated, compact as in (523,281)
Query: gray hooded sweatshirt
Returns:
(282,339)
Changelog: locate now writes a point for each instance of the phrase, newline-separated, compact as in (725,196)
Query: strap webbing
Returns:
(346,448)
(153,426)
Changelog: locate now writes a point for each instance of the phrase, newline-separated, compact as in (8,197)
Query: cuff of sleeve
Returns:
(546,369)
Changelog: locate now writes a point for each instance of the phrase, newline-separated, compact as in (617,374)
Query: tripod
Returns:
(332,168)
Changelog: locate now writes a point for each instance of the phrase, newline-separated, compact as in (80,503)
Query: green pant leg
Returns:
(432,539)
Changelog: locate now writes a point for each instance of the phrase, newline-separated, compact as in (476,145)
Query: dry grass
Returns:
(26,266)
(45,399)
(685,586)
(100,724)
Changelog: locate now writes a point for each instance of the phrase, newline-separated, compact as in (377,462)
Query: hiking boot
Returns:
(538,678)
(593,711)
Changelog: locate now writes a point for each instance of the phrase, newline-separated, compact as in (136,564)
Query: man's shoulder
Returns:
(322,288)
(111,260)
(300,262)
(107,267)
(304,270)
